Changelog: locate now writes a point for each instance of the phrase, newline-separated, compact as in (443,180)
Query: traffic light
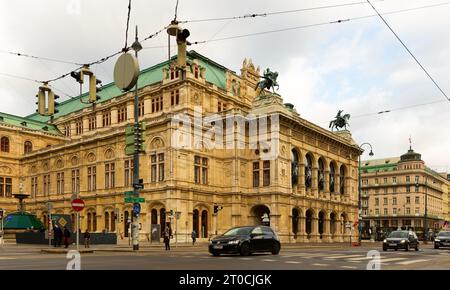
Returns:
(182,35)
(171,212)
(217,208)
(93,82)
(121,217)
(135,138)
(45,92)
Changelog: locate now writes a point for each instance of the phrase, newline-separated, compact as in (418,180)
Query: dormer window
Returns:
(174,73)
(196,72)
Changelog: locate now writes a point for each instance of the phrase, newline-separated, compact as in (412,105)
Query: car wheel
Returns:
(276,249)
(395,249)
(215,254)
(407,248)
(417,247)
(384,249)
(436,246)
(245,249)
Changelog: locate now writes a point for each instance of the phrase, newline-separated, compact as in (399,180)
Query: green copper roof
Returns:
(28,123)
(215,73)
(386,164)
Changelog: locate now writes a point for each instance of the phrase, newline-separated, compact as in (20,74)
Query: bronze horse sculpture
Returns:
(269,81)
(340,121)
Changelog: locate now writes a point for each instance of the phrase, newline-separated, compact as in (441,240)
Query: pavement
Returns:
(291,257)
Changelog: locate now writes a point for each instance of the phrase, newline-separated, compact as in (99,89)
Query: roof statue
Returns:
(268,82)
(340,121)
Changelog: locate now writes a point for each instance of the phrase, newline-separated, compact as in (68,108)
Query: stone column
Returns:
(99,120)
(326,182)
(315,229)
(314,181)
(301,235)
(326,237)
(301,178)
(130,111)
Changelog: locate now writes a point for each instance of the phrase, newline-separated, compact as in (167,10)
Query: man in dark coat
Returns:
(66,237)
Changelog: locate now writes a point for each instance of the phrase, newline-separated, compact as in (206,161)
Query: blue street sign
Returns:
(137,208)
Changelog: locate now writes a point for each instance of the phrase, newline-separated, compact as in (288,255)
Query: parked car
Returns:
(246,240)
(401,240)
(442,239)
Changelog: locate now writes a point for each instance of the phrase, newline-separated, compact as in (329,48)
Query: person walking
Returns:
(66,237)
(87,239)
(194,236)
(167,238)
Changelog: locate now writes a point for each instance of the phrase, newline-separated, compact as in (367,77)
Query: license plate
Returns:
(392,245)
(217,247)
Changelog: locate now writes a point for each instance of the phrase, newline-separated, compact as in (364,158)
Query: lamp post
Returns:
(359,193)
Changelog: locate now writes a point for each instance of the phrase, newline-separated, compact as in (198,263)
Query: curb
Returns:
(58,251)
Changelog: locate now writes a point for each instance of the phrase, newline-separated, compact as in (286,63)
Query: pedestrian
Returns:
(167,238)
(55,235)
(66,237)
(87,239)
(194,236)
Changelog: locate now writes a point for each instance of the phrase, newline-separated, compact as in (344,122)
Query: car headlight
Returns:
(235,242)
(437,240)
(403,241)
(210,242)
(384,241)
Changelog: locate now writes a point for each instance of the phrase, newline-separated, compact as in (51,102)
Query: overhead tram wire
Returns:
(128,25)
(39,57)
(254,15)
(409,51)
(320,24)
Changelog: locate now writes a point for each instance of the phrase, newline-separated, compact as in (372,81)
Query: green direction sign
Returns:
(134,200)
(129,193)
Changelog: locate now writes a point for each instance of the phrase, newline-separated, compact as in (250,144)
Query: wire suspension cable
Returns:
(128,25)
(409,51)
(38,57)
(176,12)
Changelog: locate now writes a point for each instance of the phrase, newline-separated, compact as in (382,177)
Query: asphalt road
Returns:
(23,258)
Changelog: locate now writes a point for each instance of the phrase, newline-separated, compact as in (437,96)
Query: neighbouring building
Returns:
(398,191)
(305,188)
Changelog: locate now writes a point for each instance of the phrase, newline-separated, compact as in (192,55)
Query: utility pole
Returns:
(135,216)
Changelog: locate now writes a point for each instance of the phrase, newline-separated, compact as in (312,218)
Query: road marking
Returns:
(7,258)
(321,265)
(411,262)
(247,259)
(349,267)
(269,260)
(292,262)
(343,256)
(392,260)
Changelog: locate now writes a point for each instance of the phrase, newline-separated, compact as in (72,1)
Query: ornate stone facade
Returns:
(308,191)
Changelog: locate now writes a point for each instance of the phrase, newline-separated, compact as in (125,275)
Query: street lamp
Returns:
(359,192)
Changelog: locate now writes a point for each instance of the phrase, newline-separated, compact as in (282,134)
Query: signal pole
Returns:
(135,215)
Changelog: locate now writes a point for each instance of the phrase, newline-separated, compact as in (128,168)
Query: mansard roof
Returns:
(28,123)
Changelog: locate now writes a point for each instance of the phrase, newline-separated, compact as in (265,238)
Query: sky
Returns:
(357,66)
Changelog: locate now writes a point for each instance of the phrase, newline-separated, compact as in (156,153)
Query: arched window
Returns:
(4,144)
(308,171)
(332,175)
(94,222)
(27,147)
(89,222)
(295,218)
(342,179)
(154,216)
(107,221)
(321,176)
(294,167)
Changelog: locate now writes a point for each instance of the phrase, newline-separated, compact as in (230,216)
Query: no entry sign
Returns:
(78,204)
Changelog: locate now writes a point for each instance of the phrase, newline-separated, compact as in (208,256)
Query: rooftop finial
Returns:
(410,146)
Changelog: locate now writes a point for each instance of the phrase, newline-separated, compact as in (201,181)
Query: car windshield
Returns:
(238,232)
(444,234)
(398,235)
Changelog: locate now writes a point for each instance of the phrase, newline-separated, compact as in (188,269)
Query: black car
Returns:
(246,240)
(442,239)
(401,240)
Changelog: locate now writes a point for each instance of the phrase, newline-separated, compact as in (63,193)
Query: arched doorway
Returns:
(261,215)
(89,222)
(195,222)
(343,222)
(333,223)
(321,223)
(294,166)
(308,221)
(295,219)
(154,217)
(204,224)
(126,222)
(162,220)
